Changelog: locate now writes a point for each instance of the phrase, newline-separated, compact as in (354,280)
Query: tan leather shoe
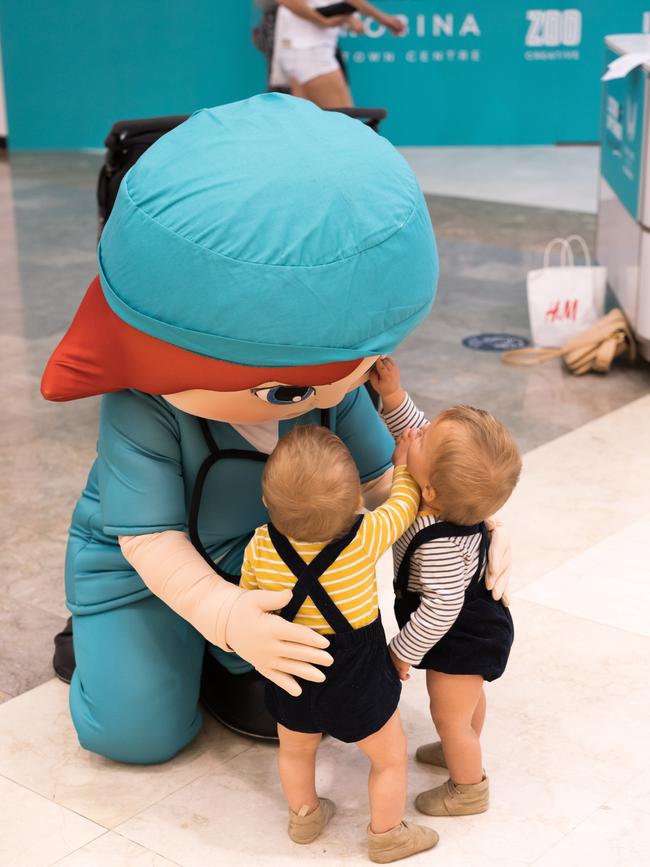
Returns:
(400,842)
(431,754)
(305,827)
(451,799)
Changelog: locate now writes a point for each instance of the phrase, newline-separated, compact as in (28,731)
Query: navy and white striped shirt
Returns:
(441,569)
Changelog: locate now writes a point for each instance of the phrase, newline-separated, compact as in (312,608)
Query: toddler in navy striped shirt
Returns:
(467,465)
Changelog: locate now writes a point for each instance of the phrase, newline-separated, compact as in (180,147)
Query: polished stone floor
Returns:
(566,738)
(564,178)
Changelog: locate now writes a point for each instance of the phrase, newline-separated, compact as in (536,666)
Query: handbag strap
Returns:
(530,355)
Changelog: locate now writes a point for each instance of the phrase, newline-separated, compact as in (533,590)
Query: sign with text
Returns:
(624,121)
(465,72)
(480,72)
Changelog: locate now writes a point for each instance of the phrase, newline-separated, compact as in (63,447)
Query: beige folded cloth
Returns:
(592,350)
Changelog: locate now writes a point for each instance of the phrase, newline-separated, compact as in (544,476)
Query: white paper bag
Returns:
(566,299)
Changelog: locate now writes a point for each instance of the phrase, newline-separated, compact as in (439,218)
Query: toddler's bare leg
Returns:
(297,763)
(454,699)
(386,750)
(478,717)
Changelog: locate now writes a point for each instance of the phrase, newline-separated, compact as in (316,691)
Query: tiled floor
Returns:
(566,737)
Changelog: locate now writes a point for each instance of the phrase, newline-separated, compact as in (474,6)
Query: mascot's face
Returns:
(269,401)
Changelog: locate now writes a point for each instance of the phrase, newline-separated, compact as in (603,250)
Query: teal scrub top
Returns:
(148,457)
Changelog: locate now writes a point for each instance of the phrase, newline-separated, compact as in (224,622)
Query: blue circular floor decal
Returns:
(495,342)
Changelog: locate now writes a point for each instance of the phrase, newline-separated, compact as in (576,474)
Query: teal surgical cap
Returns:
(268,232)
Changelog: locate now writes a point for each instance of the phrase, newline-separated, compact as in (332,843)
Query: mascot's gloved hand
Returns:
(228,616)
(499,568)
(274,646)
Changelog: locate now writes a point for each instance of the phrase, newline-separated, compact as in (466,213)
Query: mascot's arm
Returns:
(228,616)
(173,569)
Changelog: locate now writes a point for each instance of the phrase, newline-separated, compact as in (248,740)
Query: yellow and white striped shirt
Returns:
(350,581)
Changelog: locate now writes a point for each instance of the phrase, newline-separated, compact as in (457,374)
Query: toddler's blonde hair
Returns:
(475,465)
(311,485)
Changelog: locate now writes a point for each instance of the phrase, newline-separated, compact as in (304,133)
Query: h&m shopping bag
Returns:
(564,300)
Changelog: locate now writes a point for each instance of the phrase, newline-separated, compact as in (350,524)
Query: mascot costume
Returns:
(258,259)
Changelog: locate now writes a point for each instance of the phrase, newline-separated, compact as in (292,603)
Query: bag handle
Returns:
(566,252)
(581,243)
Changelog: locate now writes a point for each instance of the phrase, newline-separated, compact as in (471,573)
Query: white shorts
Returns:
(301,64)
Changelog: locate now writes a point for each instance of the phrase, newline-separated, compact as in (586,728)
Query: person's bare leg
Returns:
(453,701)
(297,764)
(386,750)
(328,91)
(478,717)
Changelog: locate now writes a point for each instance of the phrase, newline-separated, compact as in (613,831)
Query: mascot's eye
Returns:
(283,395)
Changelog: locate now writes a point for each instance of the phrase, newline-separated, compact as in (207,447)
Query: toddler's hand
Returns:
(385,379)
(385,376)
(402,447)
(401,667)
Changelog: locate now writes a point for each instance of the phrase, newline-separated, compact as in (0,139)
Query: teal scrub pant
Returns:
(135,690)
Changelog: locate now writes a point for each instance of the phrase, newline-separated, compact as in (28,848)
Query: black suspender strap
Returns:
(217,454)
(483,553)
(439,530)
(207,436)
(308,574)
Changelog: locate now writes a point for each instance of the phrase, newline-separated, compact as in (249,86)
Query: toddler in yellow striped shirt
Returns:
(320,546)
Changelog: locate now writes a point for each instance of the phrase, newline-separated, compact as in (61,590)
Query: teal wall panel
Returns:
(467,72)
(72,67)
(624,124)
(491,71)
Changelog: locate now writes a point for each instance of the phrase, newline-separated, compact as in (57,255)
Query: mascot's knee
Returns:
(132,744)
(132,735)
